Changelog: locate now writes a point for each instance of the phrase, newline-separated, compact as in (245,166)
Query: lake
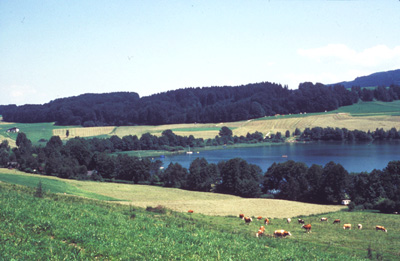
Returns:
(354,157)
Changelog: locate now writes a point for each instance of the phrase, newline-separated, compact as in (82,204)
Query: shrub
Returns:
(159,209)
(39,190)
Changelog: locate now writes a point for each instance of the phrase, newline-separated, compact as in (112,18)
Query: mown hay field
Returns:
(362,116)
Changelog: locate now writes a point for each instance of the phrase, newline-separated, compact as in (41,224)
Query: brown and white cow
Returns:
(336,221)
(241,216)
(190,211)
(281,233)
(261,231)
(381,228)
(324,219)
(300,221)
(359,226)
(266,221)
(247,220)
(259,217)
(307,227)
(347,226)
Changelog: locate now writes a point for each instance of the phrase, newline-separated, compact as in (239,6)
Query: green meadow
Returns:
(59,227)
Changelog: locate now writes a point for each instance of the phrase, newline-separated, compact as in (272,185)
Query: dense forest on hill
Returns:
(202,105)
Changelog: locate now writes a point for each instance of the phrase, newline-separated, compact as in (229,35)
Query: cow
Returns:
(259,233)
(288,220)
(324,219)
(262,228)
(359,226)
(300,221)
(347,226)
(241,216)
(281,233)
(307,227)
(247,220)
(190,211)
(336,221)
(266,221)
(381,228)
(259,217)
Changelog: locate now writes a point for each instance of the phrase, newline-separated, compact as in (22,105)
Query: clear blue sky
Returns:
(55,49)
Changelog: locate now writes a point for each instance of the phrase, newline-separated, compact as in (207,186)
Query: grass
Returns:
(176,199)
(49,184)
(59,227)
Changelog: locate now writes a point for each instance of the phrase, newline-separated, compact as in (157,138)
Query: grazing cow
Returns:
(359,226)
(241,216)
(281,233)
(324,219)
(247,220)
(347,226)
(336,221)
(259,217)
(381,228)
(262,228)
(289,220)
(307,227)
(266,221)
(190,211)
(300,221)
(259,233)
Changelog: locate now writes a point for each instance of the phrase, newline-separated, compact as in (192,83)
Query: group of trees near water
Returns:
(290,180)
(190,105)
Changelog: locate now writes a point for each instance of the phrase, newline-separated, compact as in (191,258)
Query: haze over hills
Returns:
(386,78)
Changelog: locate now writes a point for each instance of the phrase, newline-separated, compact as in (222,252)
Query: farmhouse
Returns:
(346,202)
(13,130)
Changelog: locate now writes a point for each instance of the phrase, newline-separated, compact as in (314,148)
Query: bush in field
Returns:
(39,190)
(159,209)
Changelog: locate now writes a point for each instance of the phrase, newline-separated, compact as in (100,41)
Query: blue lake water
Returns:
(354,157)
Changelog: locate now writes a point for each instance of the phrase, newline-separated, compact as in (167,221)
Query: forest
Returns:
(191,105)
(329,184)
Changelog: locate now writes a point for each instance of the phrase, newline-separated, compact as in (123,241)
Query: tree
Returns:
(225,131)
(335,180)
(174,176)
(201,175)
(240,178)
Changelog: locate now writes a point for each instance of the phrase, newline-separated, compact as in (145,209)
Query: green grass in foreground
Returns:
(57,227)
(49,185)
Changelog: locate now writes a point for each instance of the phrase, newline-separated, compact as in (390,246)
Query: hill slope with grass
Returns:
(62,227)
(176,199)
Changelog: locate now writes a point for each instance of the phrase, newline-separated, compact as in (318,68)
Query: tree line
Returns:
(329,184)
(191,105)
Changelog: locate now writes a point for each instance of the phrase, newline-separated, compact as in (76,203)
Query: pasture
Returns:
(362,116)
(63,227)
(175,199)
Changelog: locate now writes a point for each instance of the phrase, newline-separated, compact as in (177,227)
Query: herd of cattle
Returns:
(307,227)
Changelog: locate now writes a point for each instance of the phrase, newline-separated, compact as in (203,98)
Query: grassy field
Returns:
(176,199)
(50,184)
(362,116)
(59,227)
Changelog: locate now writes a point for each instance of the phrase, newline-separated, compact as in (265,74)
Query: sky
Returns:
(54,49)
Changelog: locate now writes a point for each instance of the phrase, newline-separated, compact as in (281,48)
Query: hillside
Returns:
(62,227)
(361,116)
(376,79)
(190,105)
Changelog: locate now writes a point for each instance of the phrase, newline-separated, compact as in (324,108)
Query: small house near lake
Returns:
(13,130)
(346,202)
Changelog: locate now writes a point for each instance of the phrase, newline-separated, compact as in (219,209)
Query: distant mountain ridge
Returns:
(376,79)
